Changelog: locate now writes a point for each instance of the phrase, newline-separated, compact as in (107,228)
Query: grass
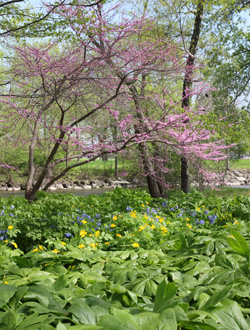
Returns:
(227,192)
(241,164)
(99,168)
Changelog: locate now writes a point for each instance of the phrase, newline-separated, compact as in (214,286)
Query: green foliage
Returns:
(176,264)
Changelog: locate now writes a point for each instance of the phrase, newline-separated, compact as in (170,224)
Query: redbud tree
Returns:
(98,94)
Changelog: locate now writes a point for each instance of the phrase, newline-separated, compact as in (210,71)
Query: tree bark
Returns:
(187,84)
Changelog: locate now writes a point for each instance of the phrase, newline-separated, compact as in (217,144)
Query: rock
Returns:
(77,188)
(87,186)
(59,186)
(241,178)
(236,172)
(122,184)
(235,183)
(13,189)
(52,188)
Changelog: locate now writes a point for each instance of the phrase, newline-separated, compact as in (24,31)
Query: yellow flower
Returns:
(115,217)
(83,233)
(168,223)
(93,245)
(187,219)
(146,202)
(81,246)
(10,227)
(90,235)
(143,205)
(164,230)
(35,250)
(189,226)
(63,243)
(226,226)
(6,241)
(161,220)
(145,217)
(106,243)
(118,235)
(120,215)
(236,222)
(40,247)
(135,245)
(55,251)
(232,236)
(84,221)
(197,209)
(141,228)
(14,244)
(112,225)
(5,282)
(153,227)
(133,214)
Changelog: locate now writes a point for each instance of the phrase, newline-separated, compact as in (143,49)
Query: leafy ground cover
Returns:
(125,261)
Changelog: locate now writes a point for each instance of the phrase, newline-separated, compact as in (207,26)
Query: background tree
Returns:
(63,91)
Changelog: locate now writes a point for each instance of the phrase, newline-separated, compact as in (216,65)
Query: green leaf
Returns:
(230,316)
(6,292)
(31,320)
(239,244)
(192,325)
(164,294)
(216,298)
(85,327)
(121,320)
(9,320)
(19,294)
(169,318)
(202,299)
(83,313)
(60,283)
(222,261)
(61,326)
(22,262)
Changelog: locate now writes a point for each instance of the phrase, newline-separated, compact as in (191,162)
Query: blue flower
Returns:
(164,204)
(97,215)
(172,209)
(68,235)
(202,222)
(128,208)
(212,218)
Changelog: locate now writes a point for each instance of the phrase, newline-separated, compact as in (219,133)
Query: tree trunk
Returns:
(187,84)
(105,157)
(149,170)
(116,166)
(158,170)
(184,175)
